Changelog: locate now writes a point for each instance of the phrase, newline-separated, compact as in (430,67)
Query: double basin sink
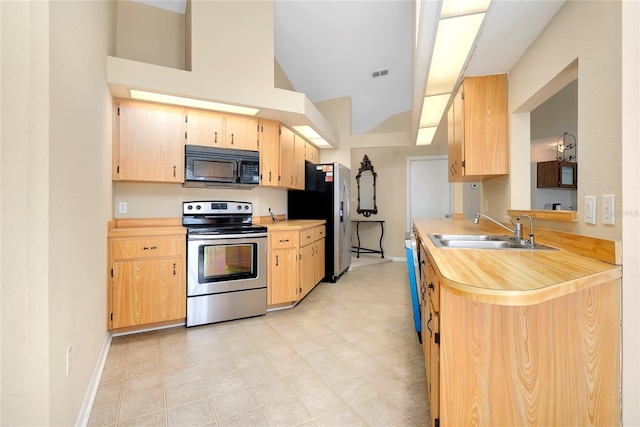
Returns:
(482,241)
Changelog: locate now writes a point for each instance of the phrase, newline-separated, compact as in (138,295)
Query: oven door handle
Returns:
(225,236)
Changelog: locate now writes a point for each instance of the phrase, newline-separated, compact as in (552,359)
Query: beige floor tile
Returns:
(247,419)
(347,343)
(142,384)
(191,391)
(231,404)
(286,413)
(151,420)
(197,413)
(104,414)
(271,392)
(141,404)
(322,401)
(342,417)
(379,412)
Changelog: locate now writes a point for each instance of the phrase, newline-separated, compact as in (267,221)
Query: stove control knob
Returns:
(246,207)
(198,207)
(239,207)
(190,207)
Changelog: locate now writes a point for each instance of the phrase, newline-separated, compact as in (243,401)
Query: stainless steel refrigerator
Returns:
(327,196)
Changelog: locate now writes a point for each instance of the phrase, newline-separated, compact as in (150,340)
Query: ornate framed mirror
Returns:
(366,179)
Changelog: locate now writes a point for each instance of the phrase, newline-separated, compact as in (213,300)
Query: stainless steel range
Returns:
(226,262)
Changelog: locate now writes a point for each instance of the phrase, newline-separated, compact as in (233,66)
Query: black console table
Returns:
(358,249)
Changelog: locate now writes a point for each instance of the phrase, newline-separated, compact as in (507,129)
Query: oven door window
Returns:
(218,262)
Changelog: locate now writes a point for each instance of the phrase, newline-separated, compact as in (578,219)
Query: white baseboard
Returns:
(92,389)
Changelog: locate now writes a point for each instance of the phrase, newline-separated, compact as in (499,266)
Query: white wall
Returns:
(589,32)
(55,202)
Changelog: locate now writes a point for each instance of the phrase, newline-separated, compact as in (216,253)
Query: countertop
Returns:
(509,277)
(292,224)
(130,227)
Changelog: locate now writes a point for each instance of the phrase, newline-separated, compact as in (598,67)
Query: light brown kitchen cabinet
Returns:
(269,143)
(292,152)
(296,264)
(148,144)
(147,280)
(214,129)
(283,282)
(478,129)
(312,153)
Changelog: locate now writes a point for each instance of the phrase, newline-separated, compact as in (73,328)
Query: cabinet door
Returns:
(485,143)
(298,162)
(150,143)
(312,154)
(434,365)
(307,269)
(287,169)
(205,128)
(269,144)
(283,276)
(455,118)
(147,291)
(242,133)
(319,261)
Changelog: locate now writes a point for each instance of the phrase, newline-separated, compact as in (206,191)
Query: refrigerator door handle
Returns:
(341,212)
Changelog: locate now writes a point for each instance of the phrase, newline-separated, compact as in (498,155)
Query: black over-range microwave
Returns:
(220,167)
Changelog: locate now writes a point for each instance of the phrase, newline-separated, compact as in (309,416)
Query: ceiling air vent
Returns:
(380,73)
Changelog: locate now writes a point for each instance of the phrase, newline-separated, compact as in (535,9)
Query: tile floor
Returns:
(347,355)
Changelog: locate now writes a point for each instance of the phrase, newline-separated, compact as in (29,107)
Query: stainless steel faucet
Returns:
(517,227)
(530,241)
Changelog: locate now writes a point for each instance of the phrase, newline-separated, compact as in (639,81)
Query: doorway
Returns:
(428,188)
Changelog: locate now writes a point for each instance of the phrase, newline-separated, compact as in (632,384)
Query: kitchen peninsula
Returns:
(520,337)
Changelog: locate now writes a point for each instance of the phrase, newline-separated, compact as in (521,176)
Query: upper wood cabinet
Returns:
(478,129)
(215,129)
(269,147)
(148,142)
(557,174)
(292,152)
(311,153)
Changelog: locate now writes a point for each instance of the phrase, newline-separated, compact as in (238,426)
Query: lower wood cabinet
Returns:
(552,363)
(296,264)
(146,280)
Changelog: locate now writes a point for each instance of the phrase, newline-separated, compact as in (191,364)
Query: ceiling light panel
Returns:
(425,135)
(452,8)
(432,109)
(454,40)
(192,102)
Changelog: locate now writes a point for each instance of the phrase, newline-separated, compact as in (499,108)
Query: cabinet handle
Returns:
(283,240)
(215,137)
(231,139)
(174,171)
(174,268)
(147,248)
(428,322)
(276,260)
(269,176)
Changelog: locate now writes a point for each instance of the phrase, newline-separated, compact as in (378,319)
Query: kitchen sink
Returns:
(482,241)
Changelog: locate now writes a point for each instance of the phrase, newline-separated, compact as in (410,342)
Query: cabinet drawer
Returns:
(147,248)
(283,239)
(307,236)
(320,232)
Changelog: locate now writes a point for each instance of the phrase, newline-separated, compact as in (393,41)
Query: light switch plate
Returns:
(590,209)
(608,209)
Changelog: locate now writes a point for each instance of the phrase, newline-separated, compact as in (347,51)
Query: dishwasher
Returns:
(414,271)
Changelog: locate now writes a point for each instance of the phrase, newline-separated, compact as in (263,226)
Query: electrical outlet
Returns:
(590,209)
(68,359)
(122,207)
(608,209)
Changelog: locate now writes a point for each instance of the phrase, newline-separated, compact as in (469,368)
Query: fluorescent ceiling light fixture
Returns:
(309,133)
(425,135)
(463,7)
(191,102)
(432,109)
(454,41)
